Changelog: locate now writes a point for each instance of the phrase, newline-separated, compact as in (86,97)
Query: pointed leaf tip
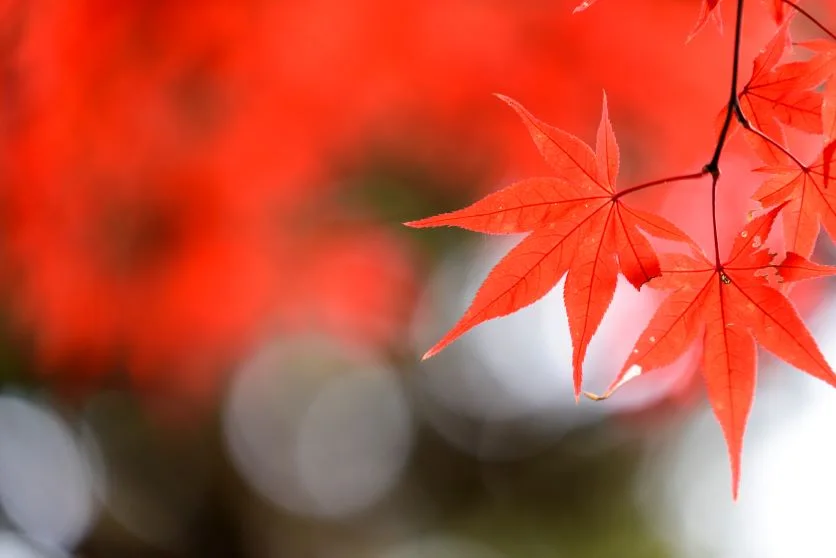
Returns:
(606,148)
(735,489)
(504,98)
(570,157)
(796,267)
(434,350)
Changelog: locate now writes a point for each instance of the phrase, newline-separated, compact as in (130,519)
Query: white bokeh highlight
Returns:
(316,434)
(13,545)
(46,478)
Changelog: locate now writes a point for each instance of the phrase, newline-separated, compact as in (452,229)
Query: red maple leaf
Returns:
(809,201)
(578,226)
(732,304)
(784,94)
(806,187)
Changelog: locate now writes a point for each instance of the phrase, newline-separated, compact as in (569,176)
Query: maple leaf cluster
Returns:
(580,226)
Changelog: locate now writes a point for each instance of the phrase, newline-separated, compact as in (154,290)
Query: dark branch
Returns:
(732,109)
(692,176)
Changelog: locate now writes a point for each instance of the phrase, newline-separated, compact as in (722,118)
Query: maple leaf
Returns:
(776,95)
(578,226)
(809,201)
(733,305)
(806,188)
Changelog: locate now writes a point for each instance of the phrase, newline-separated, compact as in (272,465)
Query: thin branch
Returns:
(714,179)
(692,176)
(733,107)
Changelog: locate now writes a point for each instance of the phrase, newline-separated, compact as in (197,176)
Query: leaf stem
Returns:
(732,109)
(692,176)
(748,126)
(810,17)
(714,179)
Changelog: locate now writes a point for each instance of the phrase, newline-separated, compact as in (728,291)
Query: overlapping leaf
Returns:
(579,227)
(730,307)
(778,95)
(826,53)
(810,202)
(808,191)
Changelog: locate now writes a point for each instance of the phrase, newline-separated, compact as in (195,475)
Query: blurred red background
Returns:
(180,178)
